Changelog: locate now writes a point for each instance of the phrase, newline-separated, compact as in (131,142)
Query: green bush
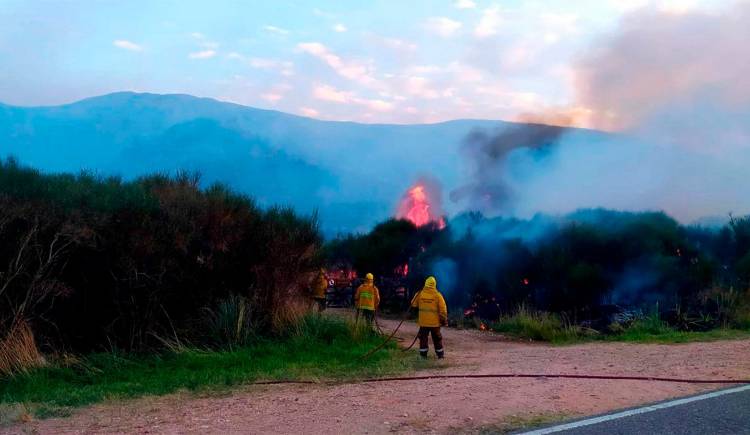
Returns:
(93,263)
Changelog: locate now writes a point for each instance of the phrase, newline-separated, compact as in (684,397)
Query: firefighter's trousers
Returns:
(437,340)
(367,315)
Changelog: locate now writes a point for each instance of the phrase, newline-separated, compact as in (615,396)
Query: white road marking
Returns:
(645,409)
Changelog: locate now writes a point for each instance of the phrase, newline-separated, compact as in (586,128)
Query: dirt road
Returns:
(438,406)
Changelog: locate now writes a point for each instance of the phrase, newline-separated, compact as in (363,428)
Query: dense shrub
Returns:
(584,265)
(92,262)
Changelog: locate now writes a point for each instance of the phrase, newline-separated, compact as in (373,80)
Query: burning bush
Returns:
(91,262)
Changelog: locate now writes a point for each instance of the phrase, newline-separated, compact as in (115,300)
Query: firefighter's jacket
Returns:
(367,297)
(432,309)
(319,287)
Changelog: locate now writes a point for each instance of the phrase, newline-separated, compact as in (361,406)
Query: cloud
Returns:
(463,73)
(276,30)
(204,54)
(322,13)
(489,23)
(127,45)
(443,26)
(209,44)
(261,63)
(377,105)
(309,112)
(352,70)
(420,87)
(272,97)
(464,4)
(283,67)
(423,69)
(339,28)
(329,93)
(399,44)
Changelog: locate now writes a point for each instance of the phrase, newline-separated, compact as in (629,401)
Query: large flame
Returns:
(420,206)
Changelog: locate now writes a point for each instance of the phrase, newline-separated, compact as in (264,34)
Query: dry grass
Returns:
(18,350)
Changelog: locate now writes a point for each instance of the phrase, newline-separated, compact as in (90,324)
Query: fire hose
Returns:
(380,346)
(520,376)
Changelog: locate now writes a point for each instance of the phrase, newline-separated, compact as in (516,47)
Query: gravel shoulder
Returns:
(434,406)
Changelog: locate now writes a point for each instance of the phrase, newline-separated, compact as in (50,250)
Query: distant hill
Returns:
(353,174)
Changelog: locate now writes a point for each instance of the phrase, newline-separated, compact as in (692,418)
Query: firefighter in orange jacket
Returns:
(367,298)
(319,287)
(433,313)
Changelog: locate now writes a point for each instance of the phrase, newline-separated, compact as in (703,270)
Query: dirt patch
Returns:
(435,406)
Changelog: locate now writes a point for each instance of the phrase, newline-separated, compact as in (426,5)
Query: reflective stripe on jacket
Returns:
(432,309)
(367,297)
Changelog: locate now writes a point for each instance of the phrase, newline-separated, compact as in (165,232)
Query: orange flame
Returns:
(482,327)
(416,207)
(402,270)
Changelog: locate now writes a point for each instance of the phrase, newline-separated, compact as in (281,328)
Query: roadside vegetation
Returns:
(550,327)
(316,348)
(91,264)
(115,289)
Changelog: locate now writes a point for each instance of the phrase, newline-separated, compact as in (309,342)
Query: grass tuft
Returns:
(539,326)
(18,350)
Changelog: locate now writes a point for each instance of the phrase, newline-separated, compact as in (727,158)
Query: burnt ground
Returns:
(434,406)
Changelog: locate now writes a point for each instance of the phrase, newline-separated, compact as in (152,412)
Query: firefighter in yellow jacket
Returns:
(319,287)
(433,313)
(367,298)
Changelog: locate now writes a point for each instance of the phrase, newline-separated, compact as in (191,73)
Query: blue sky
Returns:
(378,61)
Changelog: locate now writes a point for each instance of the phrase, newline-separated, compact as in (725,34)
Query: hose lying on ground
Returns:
(380,346)
(522,375)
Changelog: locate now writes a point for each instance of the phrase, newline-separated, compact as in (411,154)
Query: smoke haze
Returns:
(676,88)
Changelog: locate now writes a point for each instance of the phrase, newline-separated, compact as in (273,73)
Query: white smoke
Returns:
(676,88)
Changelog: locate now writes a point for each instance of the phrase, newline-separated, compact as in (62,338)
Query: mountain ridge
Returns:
(352,173)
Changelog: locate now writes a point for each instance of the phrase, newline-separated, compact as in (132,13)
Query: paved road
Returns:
(722,412)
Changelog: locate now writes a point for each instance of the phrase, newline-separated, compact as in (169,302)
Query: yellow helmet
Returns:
(369,277)
(430,282)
